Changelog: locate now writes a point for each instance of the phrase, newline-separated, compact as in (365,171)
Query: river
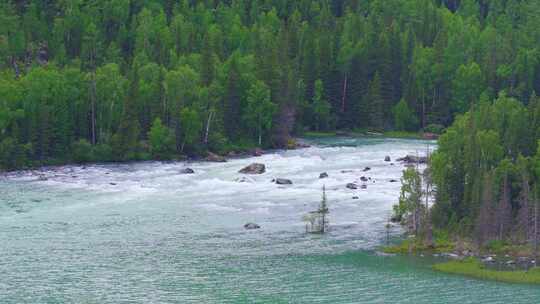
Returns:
(143,233)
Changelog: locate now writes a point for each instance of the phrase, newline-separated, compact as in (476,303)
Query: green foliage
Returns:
(411,194)
(321,107)
(12,154)
(191,126)
(260,109)
(404,118)
(482,174)
(71,72)
(434,128)
(161,140)
(82,151)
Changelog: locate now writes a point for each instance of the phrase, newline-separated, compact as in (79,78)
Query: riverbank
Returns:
(230,153)
(472,267)
(366,133)
(495,262)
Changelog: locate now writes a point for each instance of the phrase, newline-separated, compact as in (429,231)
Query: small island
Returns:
(477,200)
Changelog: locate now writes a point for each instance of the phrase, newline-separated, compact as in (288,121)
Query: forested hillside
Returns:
(487,173)
(102,80)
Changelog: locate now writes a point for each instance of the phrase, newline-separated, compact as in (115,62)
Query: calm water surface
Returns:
(143,233)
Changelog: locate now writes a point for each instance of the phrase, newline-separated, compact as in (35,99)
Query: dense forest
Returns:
(104,80)
(483,180)
(487,173)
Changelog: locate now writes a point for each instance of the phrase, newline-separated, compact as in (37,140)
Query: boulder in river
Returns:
(412,159)
(323,175)
(254,168)
(212,157)
(387,159)
(363,178)
(283,181)
(251,226)
(393,180)
(355,197)
(187,171)
(363,187)
(366,169)
(352,186)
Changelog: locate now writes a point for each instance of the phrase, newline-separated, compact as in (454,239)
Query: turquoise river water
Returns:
(143,233)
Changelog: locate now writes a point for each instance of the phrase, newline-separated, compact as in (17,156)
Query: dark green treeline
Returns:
(97,80)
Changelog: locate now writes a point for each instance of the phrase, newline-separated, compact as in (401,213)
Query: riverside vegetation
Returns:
(117,80)
(485,181)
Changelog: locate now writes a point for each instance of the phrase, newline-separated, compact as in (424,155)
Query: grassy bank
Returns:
(441,244)
(471,267)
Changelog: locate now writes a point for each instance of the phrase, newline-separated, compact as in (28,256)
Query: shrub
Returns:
(81,151)
(434,128)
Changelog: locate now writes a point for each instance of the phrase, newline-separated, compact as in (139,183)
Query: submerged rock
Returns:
(254,168)
(250,226)
(393,180)
(244,180)
(355,197)
(283,181)
(187,171)
(387,159)
(352,186)
(366,169)
(363,187)
(323,175)
(257,152)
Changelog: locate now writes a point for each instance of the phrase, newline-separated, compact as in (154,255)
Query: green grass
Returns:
(442,243)
(473,268)
(319,134)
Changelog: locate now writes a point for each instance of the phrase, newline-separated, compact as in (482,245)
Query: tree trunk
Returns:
(536,230)
(93,106)
(344,94)
(207,131)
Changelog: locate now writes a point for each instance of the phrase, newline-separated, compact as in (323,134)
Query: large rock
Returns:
(323,175)
(412,159)
(250,226)
(212,157)
(254,168)
(187,171)
(283,181)
(352,186)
